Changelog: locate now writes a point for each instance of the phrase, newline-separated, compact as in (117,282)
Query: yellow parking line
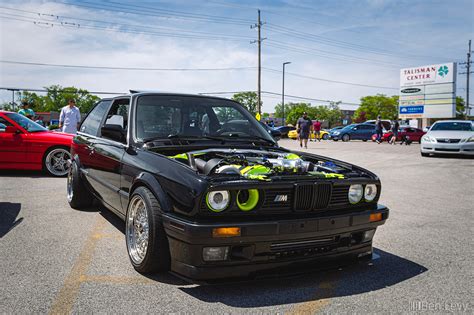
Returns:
(319,301)
(67,295)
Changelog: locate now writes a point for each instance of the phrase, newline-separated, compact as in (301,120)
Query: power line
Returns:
(147,12)
(83,26)
(286,95)
(337,43)
(123,68)
(202,93)
(190,69)
(45,90)
(352,60)
(328,80)
(57,18)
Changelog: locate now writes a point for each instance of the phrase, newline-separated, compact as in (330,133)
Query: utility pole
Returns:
(283,93)
(258,25)
(468,74)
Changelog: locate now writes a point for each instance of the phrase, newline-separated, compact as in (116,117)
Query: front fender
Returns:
(149,181)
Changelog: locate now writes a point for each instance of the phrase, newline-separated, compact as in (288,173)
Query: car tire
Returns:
(365,140)
(425,154)
(59,156)
(346,138)
(143,221)
(78,196)
(325,136)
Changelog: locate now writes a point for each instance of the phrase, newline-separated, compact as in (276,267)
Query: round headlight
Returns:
(355,193)
(370,192)
(218,200)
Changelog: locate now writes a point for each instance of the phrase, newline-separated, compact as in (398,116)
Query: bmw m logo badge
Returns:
(281,198)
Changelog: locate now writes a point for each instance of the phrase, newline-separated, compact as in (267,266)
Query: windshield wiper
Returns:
(253,138)
(182,137)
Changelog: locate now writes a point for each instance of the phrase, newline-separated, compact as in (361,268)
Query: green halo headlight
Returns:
(218,200)
(247,199)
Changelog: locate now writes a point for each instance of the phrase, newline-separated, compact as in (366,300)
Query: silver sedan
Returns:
(449,137)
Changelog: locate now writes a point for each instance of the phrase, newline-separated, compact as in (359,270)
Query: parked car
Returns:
(25,145)
(449,137)
(362,132)
(414,134)
(271,131)
(284,130)
(208,199)
(387,124)
(323,134)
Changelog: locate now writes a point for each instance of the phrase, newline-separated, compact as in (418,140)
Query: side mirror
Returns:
(113,132)
(275,134)
(12,129)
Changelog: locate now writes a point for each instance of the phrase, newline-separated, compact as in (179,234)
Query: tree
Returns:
(248,99)
(460,107)
(375,105)
(361,118)
(296,110)
(57,97)
(279,110)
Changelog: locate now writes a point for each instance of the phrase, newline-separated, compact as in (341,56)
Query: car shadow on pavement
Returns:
(23,173)
(120,226)
(8,217)
(385,271)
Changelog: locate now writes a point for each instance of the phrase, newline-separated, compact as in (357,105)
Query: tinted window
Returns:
(452,126)
(3,124)
(26,123)
(91,123)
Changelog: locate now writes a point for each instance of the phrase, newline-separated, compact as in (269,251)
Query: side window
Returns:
(118,114)
(91,123)
(3,124)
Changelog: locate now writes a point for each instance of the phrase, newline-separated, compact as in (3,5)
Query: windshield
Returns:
(26,123)
(167,116)
(452,126)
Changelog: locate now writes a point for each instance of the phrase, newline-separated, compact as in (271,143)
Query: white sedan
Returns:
(449,137)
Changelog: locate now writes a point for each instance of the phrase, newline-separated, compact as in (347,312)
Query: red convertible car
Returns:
(27,145)
(415,134)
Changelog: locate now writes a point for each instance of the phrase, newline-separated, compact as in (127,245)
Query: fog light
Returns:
(368,235)
(215,253)
(374,217)
(226,232)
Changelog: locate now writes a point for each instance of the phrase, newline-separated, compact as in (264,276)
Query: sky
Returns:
(339,50)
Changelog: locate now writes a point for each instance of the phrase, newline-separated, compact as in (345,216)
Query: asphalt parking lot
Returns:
(56,260)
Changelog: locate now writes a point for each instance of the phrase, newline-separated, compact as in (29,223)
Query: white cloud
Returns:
(24,41)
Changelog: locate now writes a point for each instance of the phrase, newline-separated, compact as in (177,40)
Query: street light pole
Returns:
(283,92)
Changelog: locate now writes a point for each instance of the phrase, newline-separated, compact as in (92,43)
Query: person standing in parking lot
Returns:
(317,130)
(395,127)
(304,127)
(378,128)
(26,110)
(69,118)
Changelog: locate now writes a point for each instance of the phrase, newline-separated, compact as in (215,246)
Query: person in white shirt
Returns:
(69,118)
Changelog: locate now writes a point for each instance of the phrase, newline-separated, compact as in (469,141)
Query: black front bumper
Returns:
(269,245)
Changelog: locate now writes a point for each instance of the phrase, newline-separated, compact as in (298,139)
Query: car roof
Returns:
(454,121)
(142,93)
